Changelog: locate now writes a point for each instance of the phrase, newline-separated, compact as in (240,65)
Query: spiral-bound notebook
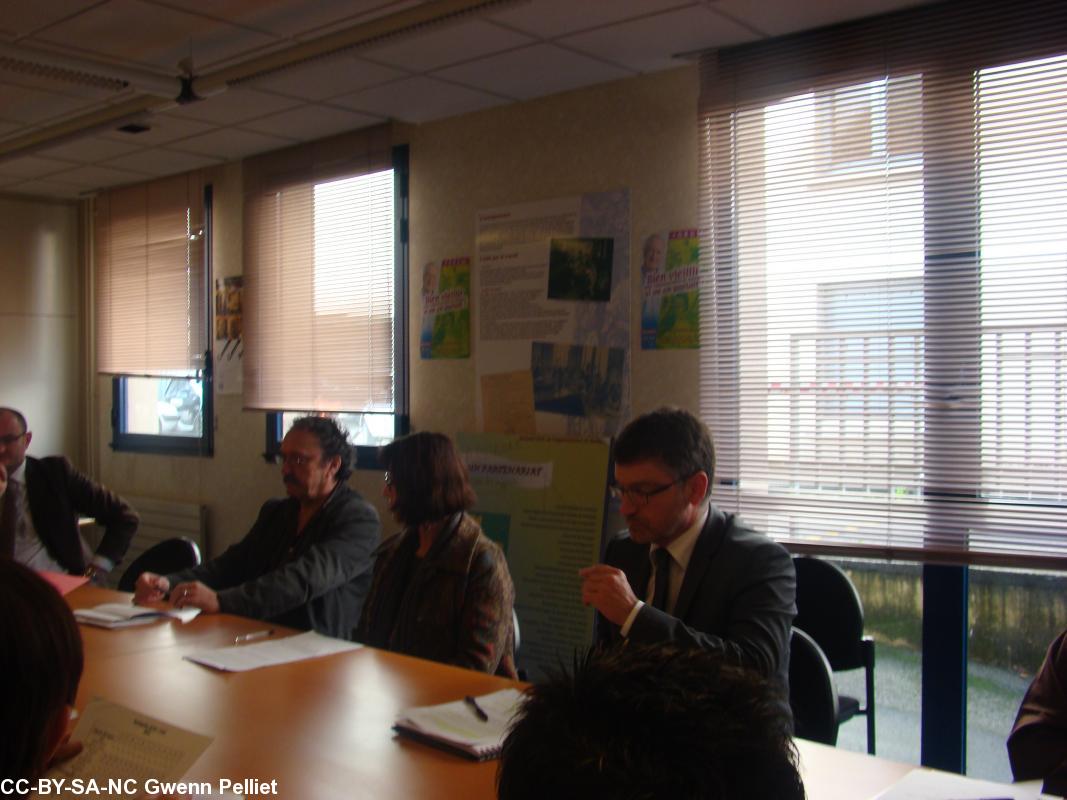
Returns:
(459,728)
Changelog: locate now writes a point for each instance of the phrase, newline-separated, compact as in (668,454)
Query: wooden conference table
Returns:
(323,728)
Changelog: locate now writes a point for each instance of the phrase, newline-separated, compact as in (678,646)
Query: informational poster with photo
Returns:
(446,320)
(229,341)
(553,289)
(542,501)
(670,291)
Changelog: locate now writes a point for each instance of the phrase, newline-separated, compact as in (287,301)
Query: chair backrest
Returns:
(170,555)
(812,693)
(830,611)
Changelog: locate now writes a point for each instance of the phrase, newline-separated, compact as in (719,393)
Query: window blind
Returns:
(885,290)
(150,284)
(319,276)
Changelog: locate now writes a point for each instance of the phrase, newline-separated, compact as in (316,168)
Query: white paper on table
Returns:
(929,784)
(241,658)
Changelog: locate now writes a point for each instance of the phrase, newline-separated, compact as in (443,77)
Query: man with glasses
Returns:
(42,501)
(686,572)
(307,561)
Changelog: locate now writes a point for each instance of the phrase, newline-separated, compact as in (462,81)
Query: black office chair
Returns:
(830,611)
(170,555)
(812,692)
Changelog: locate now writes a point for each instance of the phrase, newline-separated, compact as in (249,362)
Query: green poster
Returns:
(542,500)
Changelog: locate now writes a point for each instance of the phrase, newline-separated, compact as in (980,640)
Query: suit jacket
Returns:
(314,581)
(454,606)
(57,494)
(737,597)
(1037,746)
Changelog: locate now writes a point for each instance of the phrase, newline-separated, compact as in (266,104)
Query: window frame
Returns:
(366,456)
(161,444)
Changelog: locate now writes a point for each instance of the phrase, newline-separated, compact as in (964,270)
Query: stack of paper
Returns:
(928,784)
(123,615)
(458,727)
(265,654)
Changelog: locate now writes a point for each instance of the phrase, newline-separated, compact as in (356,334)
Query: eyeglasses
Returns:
(641,497)
(292,459)
(388,479)
(11,438)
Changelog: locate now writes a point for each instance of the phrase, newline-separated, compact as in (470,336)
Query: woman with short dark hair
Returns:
(41,661)
(441,590)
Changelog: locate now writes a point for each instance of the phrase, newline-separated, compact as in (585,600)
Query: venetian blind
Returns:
(885,283)
(150,284)
(319,276)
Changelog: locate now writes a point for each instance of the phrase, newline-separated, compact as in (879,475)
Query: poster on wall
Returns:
(542,501)
(229,344)
(446,326)
(670,295)
(552,279)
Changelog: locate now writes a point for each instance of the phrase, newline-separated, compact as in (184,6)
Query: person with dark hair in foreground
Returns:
(441,589)
(685,571)
(649,722)
(307,561)
(41,661)
(1037,746)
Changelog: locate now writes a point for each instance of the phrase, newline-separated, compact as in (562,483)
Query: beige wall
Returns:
(40,319)
(639,134)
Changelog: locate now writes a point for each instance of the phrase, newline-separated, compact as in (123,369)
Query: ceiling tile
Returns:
(313,122)
(556,17)
(31,167)
(162,162)
(647,45)
(154,35)
(450,44)
(22,17)
(327,77)
(87,151)
(418,100)
(233,106)
(230,143)
(532,72)
(294,17)
(95,176)
(162,129)
(776,19)
(34,106)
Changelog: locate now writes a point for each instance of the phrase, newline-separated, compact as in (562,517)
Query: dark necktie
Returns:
(9,511)
(662,557)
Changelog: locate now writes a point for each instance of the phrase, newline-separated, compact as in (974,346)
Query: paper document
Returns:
(121,744)
(929,784)
(123,615)
(458,726)
(240,658)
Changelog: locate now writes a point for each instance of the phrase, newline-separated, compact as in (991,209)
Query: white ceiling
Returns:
(50,145)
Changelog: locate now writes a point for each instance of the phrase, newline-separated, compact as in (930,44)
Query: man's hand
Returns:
(150,588)
(96,575)
(607,590)
(194,593)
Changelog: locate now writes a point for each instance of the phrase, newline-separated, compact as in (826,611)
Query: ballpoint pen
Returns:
(251,637)
(477,709)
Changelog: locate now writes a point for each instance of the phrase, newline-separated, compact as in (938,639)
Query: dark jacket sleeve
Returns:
(485,629)
(759,614)
(1037,746)
(341,551)
(107,508)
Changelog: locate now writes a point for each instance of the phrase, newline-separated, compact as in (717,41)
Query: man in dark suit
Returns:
(42,500)
(686,572)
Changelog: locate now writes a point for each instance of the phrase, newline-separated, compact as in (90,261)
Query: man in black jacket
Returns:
(42,500)
(307,560)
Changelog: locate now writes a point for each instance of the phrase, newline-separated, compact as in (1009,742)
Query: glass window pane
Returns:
(369,430)
(164,406)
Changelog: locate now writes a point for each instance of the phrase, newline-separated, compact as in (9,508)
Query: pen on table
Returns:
(479,712)
(251,637)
